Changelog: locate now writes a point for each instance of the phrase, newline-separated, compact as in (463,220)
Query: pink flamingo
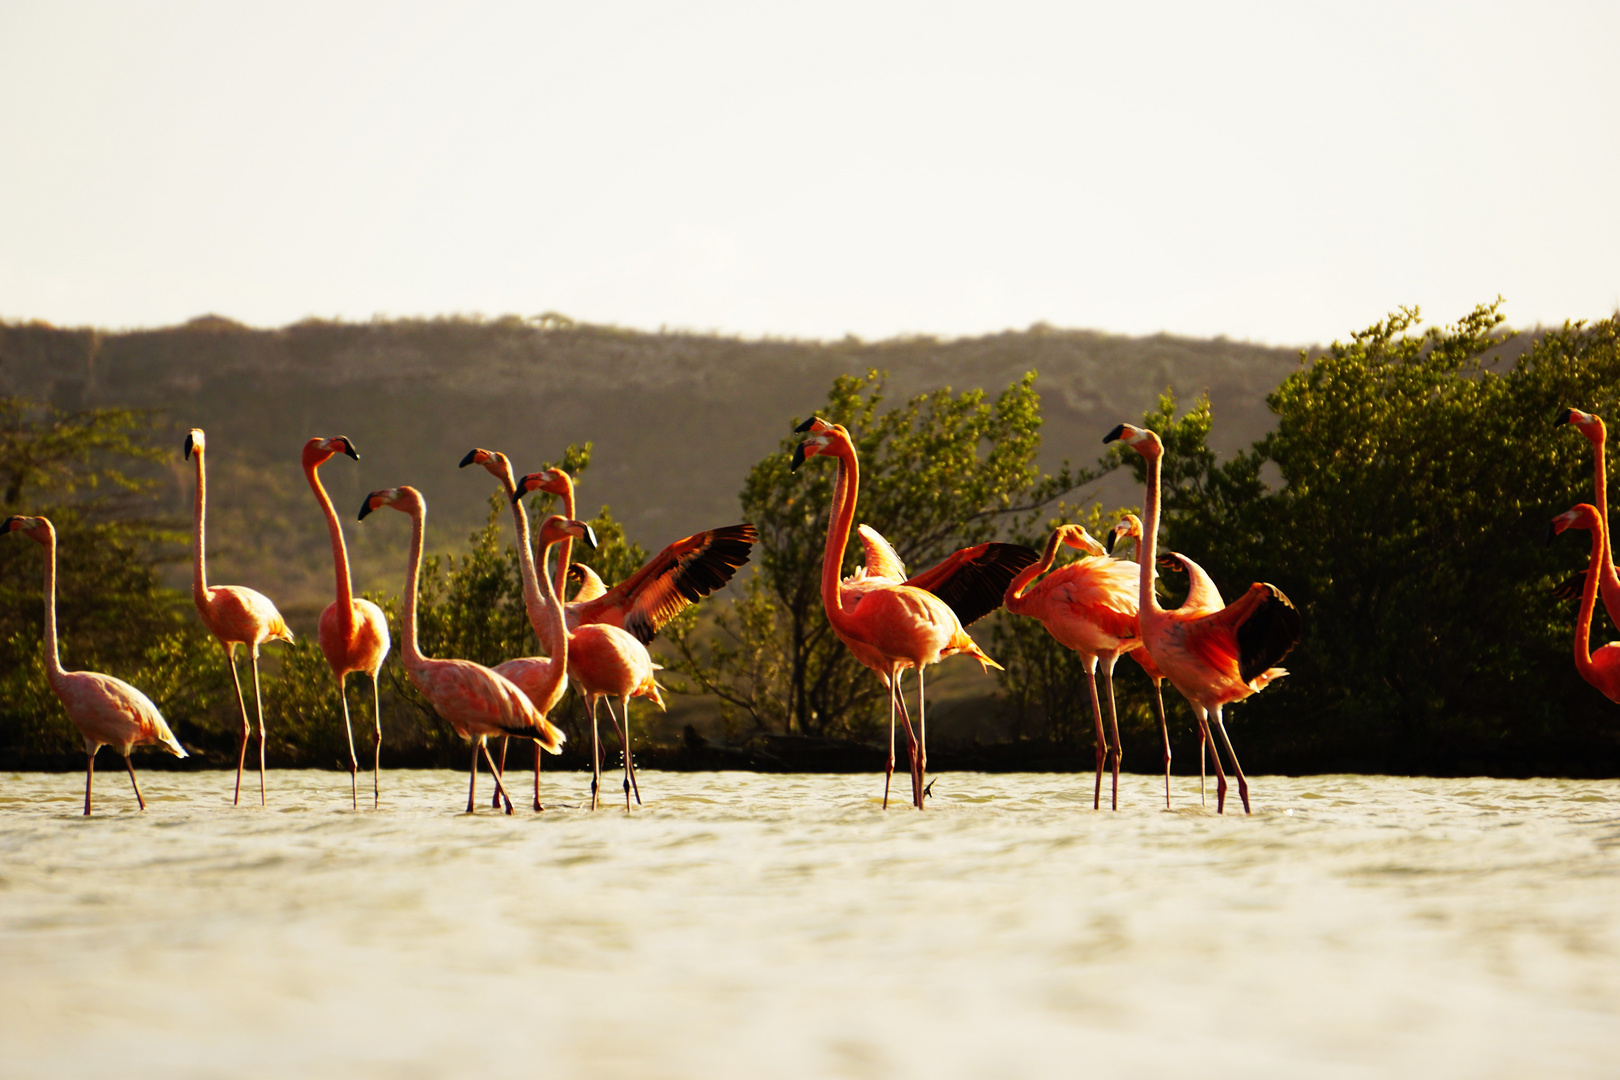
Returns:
(606,661)
(234,614)
(476,701)
(353,633)
(543,678)
(1090,608)
(1213,657)
(683,573)
(891,625)
(1590,425)
(1601,668)
(107,711)
(1202,597)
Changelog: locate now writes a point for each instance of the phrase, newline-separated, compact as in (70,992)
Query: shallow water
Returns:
(750,925)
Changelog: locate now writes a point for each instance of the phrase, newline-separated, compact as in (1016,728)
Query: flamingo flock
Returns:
(1101,607)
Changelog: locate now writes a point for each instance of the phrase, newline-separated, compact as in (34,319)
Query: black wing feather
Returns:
(1268,634)
(977,587)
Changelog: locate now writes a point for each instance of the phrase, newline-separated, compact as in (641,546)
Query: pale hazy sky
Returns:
(1284,173)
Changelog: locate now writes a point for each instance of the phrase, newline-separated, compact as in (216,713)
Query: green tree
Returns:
(939,472)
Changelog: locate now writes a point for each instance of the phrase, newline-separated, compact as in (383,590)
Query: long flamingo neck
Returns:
(1147,544)
(199,568)
(1602,479)
(842,519)
(340,551)
(552,627)
(53,658)
(539,598)
(412,651)
(1015,590)
(1583,621)
(567,542)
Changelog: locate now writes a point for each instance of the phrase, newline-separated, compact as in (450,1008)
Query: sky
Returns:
(1281,173)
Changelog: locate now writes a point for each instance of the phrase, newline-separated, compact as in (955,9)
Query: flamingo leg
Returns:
(495,774)
(1243,783)
(1102,740)
(629,759)
(888,771)
(922,741)
(495,797)
(354,763)
(1164,729)
(913,751)
(537,805)
(376,763)
(247,729)
(1203,764)
(89,778)
(258,706)
(596,754)
(472,783)
(1220,773)
(1114,751)
(130,766)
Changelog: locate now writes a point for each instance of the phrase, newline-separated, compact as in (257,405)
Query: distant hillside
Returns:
(677,419)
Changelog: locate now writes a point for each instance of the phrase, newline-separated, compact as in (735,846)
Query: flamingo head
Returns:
(1141,440)
(1128,526)
(493,461)
(1582,516)
(194,442)
(1588,424)
(554,481)
(1077,537)
(318,450)
(35,528)
(824,438)
(404,499)
(556,527)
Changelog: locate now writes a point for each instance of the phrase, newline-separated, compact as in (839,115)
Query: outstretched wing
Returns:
(1265,626)
(973,581)
(681,574)
(882,561)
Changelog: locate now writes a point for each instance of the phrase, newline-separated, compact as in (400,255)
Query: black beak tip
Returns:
(1108,546)
(804,427)
(1552,532)
(365,508)
(1115,435)
(590,538)
(798,458)
(188,447)
(521,490)
(1565,417)
(9,520)
(472,455)
(348,448)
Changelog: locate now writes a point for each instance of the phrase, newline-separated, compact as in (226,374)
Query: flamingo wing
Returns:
(882,561)
(681,574)
(1202,595)
(973,581)
(1263,627)
(590,586)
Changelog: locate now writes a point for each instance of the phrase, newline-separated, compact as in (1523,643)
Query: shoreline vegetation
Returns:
(1396,485)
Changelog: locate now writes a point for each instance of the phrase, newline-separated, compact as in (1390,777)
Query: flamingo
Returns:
(1601,668)
(353,633)
(1590,425)
(107,711)
(683,573)
(543,678)
(1089,607)
(605,661)
(1202,596)
(234,614)
(889,622)
(1213,657)
(476,701)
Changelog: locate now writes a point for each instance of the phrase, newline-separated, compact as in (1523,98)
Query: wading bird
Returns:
(476,701)
(1090,608)
(1601,668)
(353,633)
(235,615)
(1592,427)
(1213,657)
(107,711)
(891,625)
(543,678)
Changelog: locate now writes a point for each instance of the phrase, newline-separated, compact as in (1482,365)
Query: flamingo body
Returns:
(1601,668)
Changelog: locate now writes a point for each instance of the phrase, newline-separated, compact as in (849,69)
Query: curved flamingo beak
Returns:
(472,458)
(798,456)
(12,523)
(1108,545)
(589,536)
(1565,417)
(808,424)
(523,486)
(348,448)
(188,447)
(1115,435)
(365,507)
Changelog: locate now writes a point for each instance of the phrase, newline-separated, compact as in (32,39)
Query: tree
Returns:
(942,471)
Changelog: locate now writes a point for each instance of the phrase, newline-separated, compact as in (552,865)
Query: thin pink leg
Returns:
(1115,750)
(888,771)
(132,780)
(258,705)
(1243,783)
(354,762)
(89,778)
(495,796)
(537,805)
(922,740)
(472,784)
(1164,729)
(1102,739)
(495,774)
(247,727)
(376,761)
(623,733)
(913,750)
(596,755)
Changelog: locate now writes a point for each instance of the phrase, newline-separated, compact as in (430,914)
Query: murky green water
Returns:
(742,925)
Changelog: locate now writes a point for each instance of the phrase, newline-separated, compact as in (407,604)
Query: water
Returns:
(743,925)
